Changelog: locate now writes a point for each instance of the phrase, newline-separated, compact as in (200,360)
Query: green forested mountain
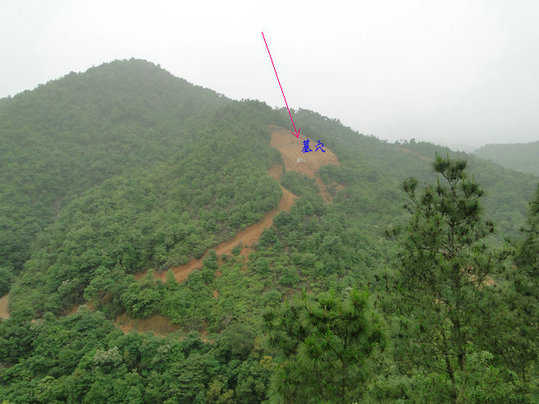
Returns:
(520,156)
(126,169)
(74,133)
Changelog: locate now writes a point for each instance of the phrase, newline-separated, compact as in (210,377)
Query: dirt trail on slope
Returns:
(306,163)
(4,306)
(294,160)
(418,155)
(247,237)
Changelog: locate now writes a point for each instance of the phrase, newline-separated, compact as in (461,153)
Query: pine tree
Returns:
(519,343)
(324,345)
(446,267)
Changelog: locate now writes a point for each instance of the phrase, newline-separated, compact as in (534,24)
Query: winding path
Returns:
(247,237)
(294,160)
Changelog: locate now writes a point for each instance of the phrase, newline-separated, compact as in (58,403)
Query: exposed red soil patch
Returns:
(156,324)
(73,310)
(305,163)
(4,306)
(290,148)
(248,250)
(276,171)
(204,335)
(89,306)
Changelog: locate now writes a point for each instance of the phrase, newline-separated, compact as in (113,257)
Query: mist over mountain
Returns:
(521,157)
(160,242)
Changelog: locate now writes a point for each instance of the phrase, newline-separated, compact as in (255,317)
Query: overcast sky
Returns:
(458,73)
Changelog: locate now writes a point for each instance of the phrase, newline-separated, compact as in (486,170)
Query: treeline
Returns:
(83,358)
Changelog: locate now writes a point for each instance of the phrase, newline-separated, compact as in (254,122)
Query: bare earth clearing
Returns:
(156,324)
(294,160)
(305,163)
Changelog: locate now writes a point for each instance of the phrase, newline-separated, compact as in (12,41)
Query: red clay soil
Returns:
(88,305)
(4,306)
(157,324)
(73,310)
(305,163)
(290,148)
(204,335)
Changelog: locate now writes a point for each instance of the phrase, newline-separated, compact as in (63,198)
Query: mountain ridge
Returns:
(516,156)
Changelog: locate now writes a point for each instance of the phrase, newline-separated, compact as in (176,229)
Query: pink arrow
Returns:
(296,131)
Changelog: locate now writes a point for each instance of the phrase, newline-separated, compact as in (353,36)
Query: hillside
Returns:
(521,157)
(74,133)
(135,201)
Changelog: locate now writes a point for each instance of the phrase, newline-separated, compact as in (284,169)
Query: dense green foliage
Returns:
(83,358)
(502,188)
(72,134)
(519,312)
(521,156)
(325,345)
(126,168)
(445,266)
(154,218)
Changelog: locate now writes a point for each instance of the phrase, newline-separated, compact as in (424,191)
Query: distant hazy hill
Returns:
(522,157)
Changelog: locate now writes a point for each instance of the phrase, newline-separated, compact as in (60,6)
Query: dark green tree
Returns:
(520,311)
(445,278)
(324,345)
